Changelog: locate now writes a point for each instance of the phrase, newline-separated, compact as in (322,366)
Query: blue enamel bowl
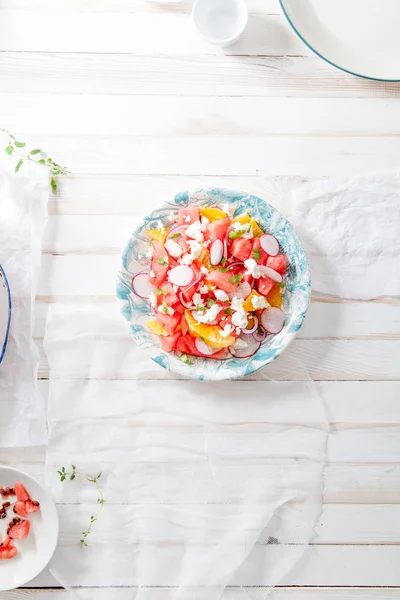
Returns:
(296,296)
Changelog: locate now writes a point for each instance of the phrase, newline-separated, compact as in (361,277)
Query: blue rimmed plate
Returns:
(295,300)
(5,312)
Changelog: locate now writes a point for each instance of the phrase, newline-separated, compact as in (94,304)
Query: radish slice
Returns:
(242,291)
(271,273)
(204,349)
(252,329)
(181,275)
(251,348)
(176,229)
(235,264)
(225,250)
(142,286)
(273,319)
(216,252)
(269,244)
(183,301)
(260,334)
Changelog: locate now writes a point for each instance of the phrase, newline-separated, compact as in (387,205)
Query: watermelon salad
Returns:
(215,283)
(19,502)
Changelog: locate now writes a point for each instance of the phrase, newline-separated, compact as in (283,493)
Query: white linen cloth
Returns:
(351,233)
(206,484)
(23,214)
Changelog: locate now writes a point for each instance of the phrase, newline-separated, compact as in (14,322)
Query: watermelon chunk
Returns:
(265,285)
(278,263)
(168,342)
(221,280)
(259,252)
(7,550)
(241,248)
(18,529)
(216,230)
(20,492)
(169,322)
(171,298)
(184,214)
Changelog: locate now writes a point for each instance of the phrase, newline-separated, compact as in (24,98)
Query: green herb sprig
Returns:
(36,155)
(64,475)
(236,278)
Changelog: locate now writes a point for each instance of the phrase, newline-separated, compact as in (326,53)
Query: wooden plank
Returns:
(138,33)
(121,115)
(280,593)
(222,154)
(202,75)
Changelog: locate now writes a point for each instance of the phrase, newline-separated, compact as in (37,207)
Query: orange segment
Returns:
(275,296)
(156,234)
(245,218)
(154,327)
(211,334)
(212,214)
(247,304)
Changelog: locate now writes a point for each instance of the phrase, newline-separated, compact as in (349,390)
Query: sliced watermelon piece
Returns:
(18,529)
(187,345)
(263,256)
(7,550)
(171,298)
(168,342)
(169,322)
(159,270)
(32,506)
(182,242)
(278,263)
(184,214)
(221,280)
(265,285)
(241,248)
(20,508)
(216,230)
(20,492)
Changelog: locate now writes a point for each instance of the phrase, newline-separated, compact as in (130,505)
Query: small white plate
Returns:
(5,312)
(357,36)
(35,551)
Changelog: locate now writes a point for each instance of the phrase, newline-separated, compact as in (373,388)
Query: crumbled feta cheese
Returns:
(160,227)
(195,248)
(259,302)
(252,268)
(207,243)
(197,299)
(166,310)
(153,299)
(186,259)
(194,231)
(188,218)
(175,288)
(209,315)
(240,226)
(227,330)
(204,223)
(204,270)
(239,344)
(240,319)
(249,234)
(237,303)
(204,289)
(229,209)
(221,295)
(172,217)
(173,248)
(152,274)
(238,331)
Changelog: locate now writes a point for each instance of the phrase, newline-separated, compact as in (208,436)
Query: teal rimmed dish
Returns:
(296,297)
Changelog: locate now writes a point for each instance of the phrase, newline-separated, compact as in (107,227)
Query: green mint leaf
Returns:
(223,269)
(53,185)
(160,291)
(163,260)
(223,261)
(73,467)
(19,144)
(234,234)
(228,311)
(100,474)
(260,330)
(72,477)
(256,254)
(236,278)
(18,165)
(199,307)
(165,307)
(9,150)
(185,359)
(35,151)
(282,285)
(210,302)
(41,161)
(176,235)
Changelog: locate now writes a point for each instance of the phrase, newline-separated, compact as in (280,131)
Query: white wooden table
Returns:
(126,95)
